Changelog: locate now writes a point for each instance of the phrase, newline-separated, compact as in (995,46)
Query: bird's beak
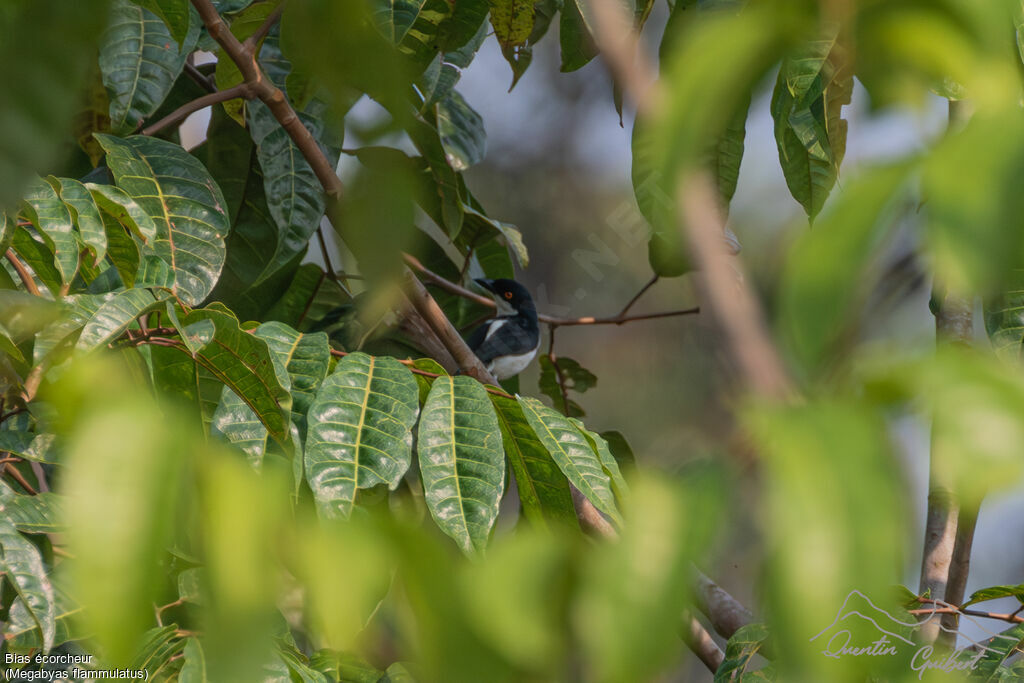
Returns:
(486,284)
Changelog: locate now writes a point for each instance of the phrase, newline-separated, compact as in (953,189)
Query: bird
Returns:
(506,344)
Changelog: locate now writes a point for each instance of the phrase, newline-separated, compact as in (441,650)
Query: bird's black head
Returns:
(508,292)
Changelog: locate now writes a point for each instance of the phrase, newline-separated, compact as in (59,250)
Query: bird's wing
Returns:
(512,340)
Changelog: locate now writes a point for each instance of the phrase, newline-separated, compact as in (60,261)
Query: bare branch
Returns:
(726,613)
(200,78)
(183,112)
(23,274)
(701,643)
(636,297)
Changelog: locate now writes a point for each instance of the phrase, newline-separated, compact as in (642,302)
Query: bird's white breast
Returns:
(504,367)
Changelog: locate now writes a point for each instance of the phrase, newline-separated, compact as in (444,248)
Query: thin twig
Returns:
(185,110)
(636,297)
(327,260)
(620,319)
(23,274)
(253,41)
(312,297)
(559,375)
(14,474)
(199,77)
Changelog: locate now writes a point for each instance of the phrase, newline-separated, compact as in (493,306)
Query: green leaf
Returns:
(997,650)
(115,316)
(85,214)
(36,514)
(176,190)
(22,632)
(244,363)
(996,592)
(412,25)
(125,210)
(572,453)
(445,70)
(52,219)
(543,489)
(742,646)
(160,646)
(24,570)
(194,668)
(359,430)
(294,195)
(512,21)
(575,377)
(45,56)
(174,13)
(39,258)
(8,346)
(578,46)
(728,154)
(461,460)
(462,132)
(478,230)
(608,462)
(1004,318)
(812,87)
(122,249)
(140,61)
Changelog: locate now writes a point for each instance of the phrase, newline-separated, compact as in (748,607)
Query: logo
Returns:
(862,629)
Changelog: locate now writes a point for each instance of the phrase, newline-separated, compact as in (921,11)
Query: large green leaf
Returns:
(35,514)
(115,316)
(412,25)
(996,592)
(294,195)
(125,210)
(46,52)
(123,249)
(462,132)
(512,21)
(543,489)
(608,462)
(997,650)
(812,87)
(359,430)
(24,570)
(140,61)
(22,632)
(176,190)
(305,358)
(578,46)
(572,453)
(52,219)
(1004,318)
(243,362)
(85,213)
(174,13)
(461,460)
(180,380)
(39,258)
(29,445)
(445,70)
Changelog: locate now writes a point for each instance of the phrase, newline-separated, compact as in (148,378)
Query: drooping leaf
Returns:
(39,258)
(174,13)
(543,489)
(85,214)
(444,71)
(608,462)
(22,632)
(24,570)
(578,46)
(572,453)
(294,195)
(176,190)
(359,430)
(115,316)
(122,249)
(179,380)
(412,25)
(461,460)
(158,653)
(119,204)
(140,61)
(52,219)
(462,132)
(512,21)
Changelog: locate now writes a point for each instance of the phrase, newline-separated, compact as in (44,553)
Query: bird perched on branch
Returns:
(507,344)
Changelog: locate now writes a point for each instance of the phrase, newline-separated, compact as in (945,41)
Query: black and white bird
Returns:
(507,344)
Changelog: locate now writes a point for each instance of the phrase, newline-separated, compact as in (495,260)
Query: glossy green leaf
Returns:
(174,13)
(8,346)
(359,430)
(294,195)
(24,570)
(811,89)
(996,592)
(462,132)
(572,453)
(123,249)
(115,316)
(140,61)
(578,46)
(543,489)
(608,462)
(45,55)
(85,214)
(36,514)
(739,651)
(52,218)
(478,229)
(22,632)
(998,649)
(244,363)
(39,258)
(728,154)
(176,190)
(461,460)
(120,205)
(445,70)
(412,25)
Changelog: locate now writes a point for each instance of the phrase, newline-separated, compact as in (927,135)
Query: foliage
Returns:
(196,416)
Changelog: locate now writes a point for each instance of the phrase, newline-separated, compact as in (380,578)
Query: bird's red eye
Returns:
(508,295)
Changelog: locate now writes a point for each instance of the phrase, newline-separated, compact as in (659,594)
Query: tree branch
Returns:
(701,643)
(559,375)
(14,474)
(183,112)
(726,613)
(199,77)
(23,274)
(620,319)
(636,297)
(254,40)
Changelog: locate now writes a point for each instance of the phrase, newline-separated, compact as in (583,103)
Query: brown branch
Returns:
(245,58)
(636,297)
(452,288)
(253,41)
(945,607)
(726,613)
(701,643)
(14,474)
(185,110)
(23,274)
(199,77)
(559,375)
